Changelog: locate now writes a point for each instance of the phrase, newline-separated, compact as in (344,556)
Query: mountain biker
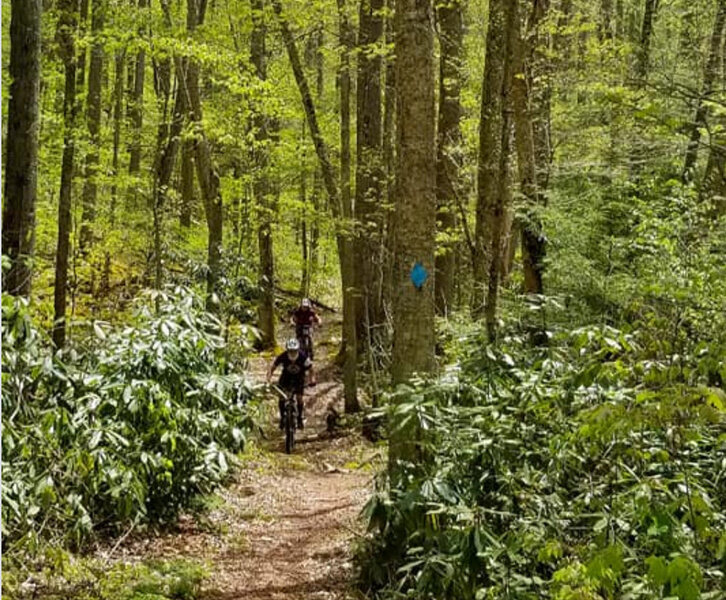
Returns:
(294,363)
(304,316)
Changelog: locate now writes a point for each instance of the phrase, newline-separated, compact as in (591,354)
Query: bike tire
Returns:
(289,429)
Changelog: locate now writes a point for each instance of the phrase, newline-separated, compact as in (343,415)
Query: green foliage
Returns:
(127,426)
(65,576)
(585,469)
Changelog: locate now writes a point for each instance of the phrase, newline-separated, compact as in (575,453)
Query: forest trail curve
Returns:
(283,530)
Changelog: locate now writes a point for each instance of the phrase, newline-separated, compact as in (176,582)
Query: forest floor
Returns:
(286,526)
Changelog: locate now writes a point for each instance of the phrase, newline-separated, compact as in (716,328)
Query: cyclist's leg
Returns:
(281,406)
(300,408)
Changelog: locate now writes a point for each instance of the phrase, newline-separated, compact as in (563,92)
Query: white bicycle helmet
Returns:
(306,302)
(292,345)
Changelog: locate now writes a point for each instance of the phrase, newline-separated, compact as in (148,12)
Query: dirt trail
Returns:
(284,529)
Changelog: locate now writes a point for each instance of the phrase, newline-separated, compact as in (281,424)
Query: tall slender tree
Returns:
(413,291)
(494,185)
(93,122)
(207,173)
(261,186)
(448,157)
(321,149)
(710,77)
(531,114)
(65,37)
(136,103)
(369,172)
(347,263)
(21,160)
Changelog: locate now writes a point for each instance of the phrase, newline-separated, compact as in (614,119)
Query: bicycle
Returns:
(290,419)
(306,340)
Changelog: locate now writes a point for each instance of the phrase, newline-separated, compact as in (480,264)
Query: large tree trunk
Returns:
(261,187)
(369,165)
(449,151)
(347,263)
(93,121)
(67,23)
(21,161)
(413,307)
(709,78)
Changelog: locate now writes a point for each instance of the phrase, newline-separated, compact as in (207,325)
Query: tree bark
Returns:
(93,121)
(709,78)
(347,263)
(369,165)
(449,150)
(413,307)
(65,36)
(21,160)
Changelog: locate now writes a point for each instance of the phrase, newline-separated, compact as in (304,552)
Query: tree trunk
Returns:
(261,186)
(167,144)
(21,166)
(206,169)
(389,156)
(709,78)
(65,35)
(488,207)
(646,34)
(493,201)
(136,105)
(413,307)
(326,167)
(347,249)
(118,99)
(369,165)
(449,150)
(528,97)
(187,183)
(321,148)
(93,120)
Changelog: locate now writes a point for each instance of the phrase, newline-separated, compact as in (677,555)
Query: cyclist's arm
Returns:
(273,365)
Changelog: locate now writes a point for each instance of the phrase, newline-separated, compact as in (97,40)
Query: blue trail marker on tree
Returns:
(419,275)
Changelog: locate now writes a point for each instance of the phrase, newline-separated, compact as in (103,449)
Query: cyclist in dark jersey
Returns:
(294,365)
(302,318)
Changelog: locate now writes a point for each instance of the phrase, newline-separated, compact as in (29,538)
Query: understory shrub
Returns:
(593,468)
(126,426)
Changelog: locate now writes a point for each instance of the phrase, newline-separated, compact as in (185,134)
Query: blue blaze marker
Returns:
(419,275)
